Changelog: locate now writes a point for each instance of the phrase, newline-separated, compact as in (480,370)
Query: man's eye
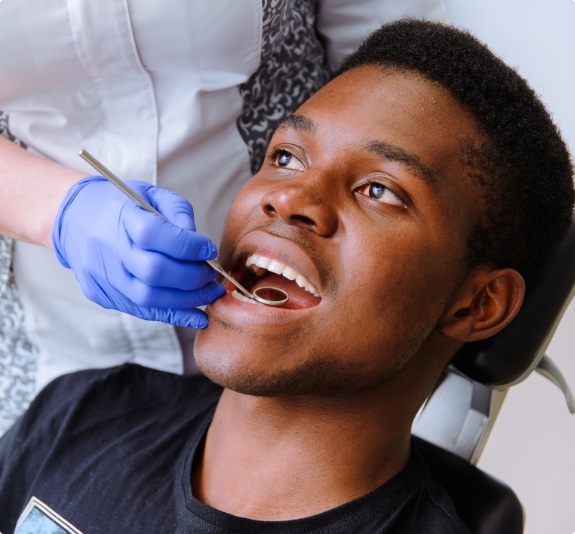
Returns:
(285,159)
(382,193)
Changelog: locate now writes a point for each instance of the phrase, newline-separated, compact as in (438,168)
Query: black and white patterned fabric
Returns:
(17,353)
(293,67)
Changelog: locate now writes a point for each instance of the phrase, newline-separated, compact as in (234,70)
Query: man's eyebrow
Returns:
(298,122)
(381,149)
(394,153)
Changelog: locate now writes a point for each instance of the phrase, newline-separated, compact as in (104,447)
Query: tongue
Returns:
(299,298)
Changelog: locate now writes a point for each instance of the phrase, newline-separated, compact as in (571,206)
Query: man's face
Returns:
(364,197)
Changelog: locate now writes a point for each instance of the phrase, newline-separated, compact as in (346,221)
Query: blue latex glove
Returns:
(128,259)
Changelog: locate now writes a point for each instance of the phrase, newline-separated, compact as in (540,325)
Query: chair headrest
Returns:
(509,356)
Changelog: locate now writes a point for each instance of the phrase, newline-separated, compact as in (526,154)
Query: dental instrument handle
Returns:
(108,174)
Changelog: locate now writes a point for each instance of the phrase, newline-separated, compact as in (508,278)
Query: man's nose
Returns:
(300,202)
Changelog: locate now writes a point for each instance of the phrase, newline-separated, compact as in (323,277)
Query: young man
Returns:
(403,208)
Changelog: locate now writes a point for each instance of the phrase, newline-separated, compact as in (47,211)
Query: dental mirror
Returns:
(273,295)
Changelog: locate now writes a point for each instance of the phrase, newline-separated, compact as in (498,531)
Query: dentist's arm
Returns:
(123,257)
(31,190)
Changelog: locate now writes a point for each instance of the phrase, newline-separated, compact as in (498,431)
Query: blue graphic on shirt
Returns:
(38,518)
(38,523)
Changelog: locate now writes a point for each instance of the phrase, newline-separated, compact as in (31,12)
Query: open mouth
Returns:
(262,271)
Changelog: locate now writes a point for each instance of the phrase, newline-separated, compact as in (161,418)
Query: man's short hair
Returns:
(524,171)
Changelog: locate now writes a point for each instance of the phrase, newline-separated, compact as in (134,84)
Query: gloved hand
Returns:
(128,259)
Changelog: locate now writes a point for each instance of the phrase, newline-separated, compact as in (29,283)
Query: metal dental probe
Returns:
(282,296)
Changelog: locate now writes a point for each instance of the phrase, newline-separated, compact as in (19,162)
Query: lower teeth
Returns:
(242,298)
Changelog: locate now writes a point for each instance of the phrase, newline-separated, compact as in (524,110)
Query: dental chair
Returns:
(452,428)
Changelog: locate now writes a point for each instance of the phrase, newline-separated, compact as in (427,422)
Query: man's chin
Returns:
(253,376)
(235,366)
(226,371)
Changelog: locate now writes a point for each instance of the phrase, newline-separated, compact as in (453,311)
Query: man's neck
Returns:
(278,459)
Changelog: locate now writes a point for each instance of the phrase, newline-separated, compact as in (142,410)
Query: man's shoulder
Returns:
(101,394)
(145,376)
(145,381)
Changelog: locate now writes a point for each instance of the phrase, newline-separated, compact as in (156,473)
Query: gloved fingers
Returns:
(186,317)
(153,304)
(156,269)
(190,318)
(150,232)
(141,294)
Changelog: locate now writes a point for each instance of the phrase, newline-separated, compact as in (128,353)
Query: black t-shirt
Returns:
(110,451)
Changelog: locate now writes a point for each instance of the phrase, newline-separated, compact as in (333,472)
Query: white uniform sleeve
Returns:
(344,24)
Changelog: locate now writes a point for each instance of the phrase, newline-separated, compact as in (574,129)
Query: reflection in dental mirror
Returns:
(272,296)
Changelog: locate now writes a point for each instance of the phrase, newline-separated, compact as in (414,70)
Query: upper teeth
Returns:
(260,264)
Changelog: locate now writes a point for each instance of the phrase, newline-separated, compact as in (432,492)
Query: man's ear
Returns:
(486,302)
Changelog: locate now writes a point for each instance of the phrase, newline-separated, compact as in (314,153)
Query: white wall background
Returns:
(532,446)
